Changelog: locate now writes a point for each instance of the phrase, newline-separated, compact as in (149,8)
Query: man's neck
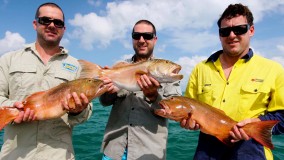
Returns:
(46,52)
(138,58)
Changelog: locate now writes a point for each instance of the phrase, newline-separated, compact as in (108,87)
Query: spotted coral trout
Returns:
(124,75)
(213,121)
(47,104)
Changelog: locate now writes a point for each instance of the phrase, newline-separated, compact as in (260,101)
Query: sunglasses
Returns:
(238,30)
(146,35)
(47,20)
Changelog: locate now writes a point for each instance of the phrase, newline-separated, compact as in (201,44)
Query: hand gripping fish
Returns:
(47,104)
(124,75)
(212,120)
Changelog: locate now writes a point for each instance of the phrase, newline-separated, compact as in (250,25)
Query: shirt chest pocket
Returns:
(254,95)
(205,93)
(22,77)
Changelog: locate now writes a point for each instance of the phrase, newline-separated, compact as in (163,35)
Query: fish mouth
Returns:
(175,73)
(164,111)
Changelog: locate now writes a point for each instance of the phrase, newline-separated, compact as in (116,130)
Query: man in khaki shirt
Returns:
(133,130)
(37,67)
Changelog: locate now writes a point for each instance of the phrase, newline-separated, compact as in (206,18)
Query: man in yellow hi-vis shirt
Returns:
(246,86)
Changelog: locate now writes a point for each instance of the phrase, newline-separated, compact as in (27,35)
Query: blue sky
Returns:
(100,30)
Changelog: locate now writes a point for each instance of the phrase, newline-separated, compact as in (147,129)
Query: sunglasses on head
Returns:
(145,35)
(238,30)
(47,20)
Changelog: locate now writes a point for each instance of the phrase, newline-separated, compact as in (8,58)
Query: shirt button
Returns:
(132,108)
(130,124)
(227,83)
(224,100)
(255,90)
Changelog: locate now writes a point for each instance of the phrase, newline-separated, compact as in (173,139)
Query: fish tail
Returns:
(7,115)
(89,69)
(261,132)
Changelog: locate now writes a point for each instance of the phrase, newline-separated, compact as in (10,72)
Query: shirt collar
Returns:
(133,58)
(215,56)
(33,48)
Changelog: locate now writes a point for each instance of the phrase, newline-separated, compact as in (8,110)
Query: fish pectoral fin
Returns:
(8,114)
(139,73)
(89,69)
(261,132)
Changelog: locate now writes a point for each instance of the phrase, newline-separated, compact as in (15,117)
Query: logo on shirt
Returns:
(69,67)
(257,80)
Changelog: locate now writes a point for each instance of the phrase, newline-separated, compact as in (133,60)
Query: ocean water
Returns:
(87,138)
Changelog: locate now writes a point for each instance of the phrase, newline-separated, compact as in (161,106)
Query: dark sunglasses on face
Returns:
(146,35)
(238,30)
(47,21)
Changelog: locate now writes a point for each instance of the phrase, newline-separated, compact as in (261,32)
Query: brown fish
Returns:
(124,75)
(47,104)
(212,120)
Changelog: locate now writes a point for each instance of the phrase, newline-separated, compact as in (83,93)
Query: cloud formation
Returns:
(11,41)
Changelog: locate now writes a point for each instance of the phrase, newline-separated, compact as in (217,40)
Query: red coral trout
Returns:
(47,104)
(124,75)
(212,120)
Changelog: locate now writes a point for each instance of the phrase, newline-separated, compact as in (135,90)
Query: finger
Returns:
(64,102)
(18,105)
(19,118)
(244,135)
(183,123)
(26,115)
(76,99)
(84,98)
(191,123)
(196,127)
(31,116)
(147,80)
(140,83)
(143,81)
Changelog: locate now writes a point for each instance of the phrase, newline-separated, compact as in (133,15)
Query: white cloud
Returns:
(189,22)
(64,42)
(279,59)
(11,41)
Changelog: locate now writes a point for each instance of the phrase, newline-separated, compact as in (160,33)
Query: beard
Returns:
(48,40)
(143,55)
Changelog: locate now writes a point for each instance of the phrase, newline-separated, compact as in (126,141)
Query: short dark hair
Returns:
(234,10)
(145,22)
(48,4)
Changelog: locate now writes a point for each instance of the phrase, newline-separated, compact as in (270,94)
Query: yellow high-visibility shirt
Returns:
(255,86)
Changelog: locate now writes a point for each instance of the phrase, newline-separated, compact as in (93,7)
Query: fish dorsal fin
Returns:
(121,64)
(89,69)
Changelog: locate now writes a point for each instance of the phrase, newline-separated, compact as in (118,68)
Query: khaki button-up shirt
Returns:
(133,125)
(22,73)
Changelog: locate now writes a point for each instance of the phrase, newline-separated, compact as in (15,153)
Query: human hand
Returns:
(189,123)
(149,86)
(237,133)
(24,116)
(80,103)
(111,87)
